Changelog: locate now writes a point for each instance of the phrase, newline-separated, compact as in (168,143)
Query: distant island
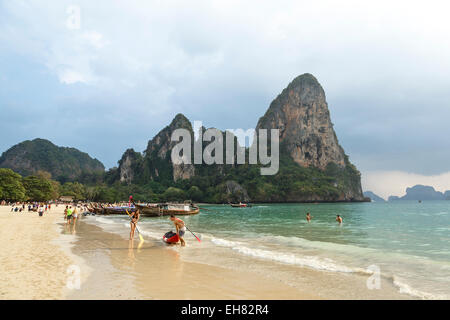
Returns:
(313,165)
(421,192)
(373,196)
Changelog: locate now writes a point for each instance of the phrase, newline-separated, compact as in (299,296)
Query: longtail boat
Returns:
(166,209)
(238,205)
(119,210)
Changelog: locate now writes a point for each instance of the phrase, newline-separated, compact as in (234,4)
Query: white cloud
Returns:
(71,77)
(95,39)
(394,183)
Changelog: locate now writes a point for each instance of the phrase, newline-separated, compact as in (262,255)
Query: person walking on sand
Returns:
(65,213)
(339,219)
(41,211)
(69,214)
(74,215)
(181,228)
(133,223)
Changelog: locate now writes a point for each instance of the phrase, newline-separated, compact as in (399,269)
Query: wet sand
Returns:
(123,270)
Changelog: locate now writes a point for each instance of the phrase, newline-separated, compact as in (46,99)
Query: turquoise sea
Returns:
(406,241)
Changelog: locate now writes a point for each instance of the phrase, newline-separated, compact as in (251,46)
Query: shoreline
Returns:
(157,272)
(36,258)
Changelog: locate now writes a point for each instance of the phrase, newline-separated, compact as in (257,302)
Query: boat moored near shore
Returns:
(167,209)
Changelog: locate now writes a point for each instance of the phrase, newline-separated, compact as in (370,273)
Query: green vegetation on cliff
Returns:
(313,166)
(64,164)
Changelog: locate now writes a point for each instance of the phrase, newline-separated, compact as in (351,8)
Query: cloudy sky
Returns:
(111,77)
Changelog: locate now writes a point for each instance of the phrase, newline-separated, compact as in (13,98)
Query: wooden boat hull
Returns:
(159,211)
(120,211)
(99,210)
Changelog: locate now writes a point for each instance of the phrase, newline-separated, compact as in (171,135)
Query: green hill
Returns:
(64,164)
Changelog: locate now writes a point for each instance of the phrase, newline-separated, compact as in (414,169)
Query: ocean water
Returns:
(406,241)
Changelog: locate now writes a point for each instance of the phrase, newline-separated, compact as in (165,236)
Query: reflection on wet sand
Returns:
(124,269)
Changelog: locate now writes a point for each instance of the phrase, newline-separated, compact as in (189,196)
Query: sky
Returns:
(105,76)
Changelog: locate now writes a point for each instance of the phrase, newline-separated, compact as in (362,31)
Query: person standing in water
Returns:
(69,214)
(339,219)
(181,228)
(74,215)
(133,223)
(65,213)
(308,217)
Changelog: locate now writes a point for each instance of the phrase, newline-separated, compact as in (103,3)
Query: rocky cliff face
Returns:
(313,166)
(159,150)
(129,166)
(306,132)
(62,163)
(236,192)
(156,162)
(307,136)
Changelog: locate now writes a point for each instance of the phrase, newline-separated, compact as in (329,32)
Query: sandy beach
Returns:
(33,263)
(39,256)
(129,270)
(37,252)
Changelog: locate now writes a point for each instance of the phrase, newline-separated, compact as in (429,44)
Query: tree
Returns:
(38,188)
(11,185)
(56,189)
(44,175)
(74,189)
(195,194)
(174,194)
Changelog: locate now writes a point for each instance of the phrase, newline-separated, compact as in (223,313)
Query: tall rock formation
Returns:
(313,165)
(157,159)
(306,132)
(129,166)
(307,136)
(156,163)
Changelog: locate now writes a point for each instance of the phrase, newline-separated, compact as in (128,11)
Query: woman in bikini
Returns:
(133,223)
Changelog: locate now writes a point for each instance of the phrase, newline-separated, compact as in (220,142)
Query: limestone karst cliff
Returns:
(301,114)
(313,167)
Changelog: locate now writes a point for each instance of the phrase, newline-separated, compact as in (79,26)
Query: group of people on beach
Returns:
(309,217)
(71,214)
(32,207)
